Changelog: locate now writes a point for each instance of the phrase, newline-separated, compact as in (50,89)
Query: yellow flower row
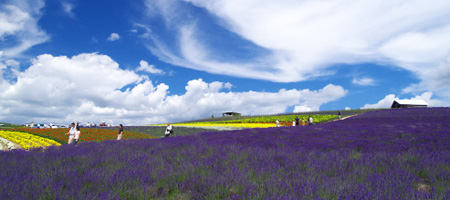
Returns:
(26,140)
(237,125)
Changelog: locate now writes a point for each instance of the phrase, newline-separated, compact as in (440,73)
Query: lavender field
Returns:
(384,154)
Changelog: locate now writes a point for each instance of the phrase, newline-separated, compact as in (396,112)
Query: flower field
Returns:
(158,131)
(385,154)
(235,125)
(26,140)
(283,118)
(87,134)
(258,122)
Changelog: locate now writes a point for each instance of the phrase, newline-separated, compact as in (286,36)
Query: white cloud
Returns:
(347,108)
(113,37)
(306,37)
(143,66)
(92,87)
(364,81)
(19,22)
(387,101)
(312,100)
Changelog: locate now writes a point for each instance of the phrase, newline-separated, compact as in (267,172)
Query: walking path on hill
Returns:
(344,118)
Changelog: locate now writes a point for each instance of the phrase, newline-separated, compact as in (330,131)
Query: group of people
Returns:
(74,133)
(296,122)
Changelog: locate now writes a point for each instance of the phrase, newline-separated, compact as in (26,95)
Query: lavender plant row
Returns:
(387,154)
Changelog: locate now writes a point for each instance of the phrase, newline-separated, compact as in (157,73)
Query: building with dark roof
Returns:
(409,104)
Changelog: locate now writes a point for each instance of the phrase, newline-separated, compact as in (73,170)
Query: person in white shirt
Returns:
(278,122)
(310,121)
(71,133)
(169,130)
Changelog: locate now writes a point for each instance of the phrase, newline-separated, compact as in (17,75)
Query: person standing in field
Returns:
(169,130)
(32,125)
(297,121)
(77,133)
(278,122)
(310,121)
(339,114)
(303,121)
(119,136)
(71,133)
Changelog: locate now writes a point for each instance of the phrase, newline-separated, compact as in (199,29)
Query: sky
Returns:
(156,61)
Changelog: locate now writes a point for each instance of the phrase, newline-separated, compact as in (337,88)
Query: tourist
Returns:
(339,114)
(297,121)
(119,136)
(87,124)
(310,121)
(303,121)
(169,130)
(71,133)
(293,123)
(32,125)
(278,122)
(77,133)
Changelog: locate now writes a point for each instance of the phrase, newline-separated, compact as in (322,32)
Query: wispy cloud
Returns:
(305,38)
(19,21)
(143,30)
(113,37)
(363,81)
(68,8)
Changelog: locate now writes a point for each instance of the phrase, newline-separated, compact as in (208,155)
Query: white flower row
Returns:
(8,143)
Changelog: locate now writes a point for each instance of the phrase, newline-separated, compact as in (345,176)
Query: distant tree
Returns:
(212,116)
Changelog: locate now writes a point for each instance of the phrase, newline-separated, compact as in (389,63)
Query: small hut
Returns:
(409,104)
(231,114)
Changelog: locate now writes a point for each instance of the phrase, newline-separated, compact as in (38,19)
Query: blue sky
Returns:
(153,61)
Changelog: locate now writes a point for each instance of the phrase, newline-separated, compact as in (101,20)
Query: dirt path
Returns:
(345,117)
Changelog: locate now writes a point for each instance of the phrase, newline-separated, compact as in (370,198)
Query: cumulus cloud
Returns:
(363,81)
(305,38)
(92,87)
(113,37)
(387,101)
(19,22)
(144,66)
